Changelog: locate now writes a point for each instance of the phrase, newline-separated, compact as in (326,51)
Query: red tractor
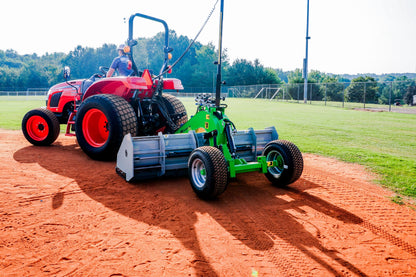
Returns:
(100,111)
(149,132)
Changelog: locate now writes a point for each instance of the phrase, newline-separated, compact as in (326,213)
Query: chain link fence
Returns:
(23,94)
(385,96)
(396,95)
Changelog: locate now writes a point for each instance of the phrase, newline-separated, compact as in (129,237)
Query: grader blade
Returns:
(148,157)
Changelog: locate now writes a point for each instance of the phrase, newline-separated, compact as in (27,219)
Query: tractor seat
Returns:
(88,82)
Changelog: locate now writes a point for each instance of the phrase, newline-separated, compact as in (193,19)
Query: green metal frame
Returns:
(213,122)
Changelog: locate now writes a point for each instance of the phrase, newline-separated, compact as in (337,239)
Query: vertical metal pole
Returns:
(305,62)
(218,84)
(365,86)
(213,82)
(391,90)
(343,95)
(283,94)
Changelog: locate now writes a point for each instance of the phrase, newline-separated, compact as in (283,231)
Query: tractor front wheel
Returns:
(208,172)
(101,124)
(286,162)
(40,127)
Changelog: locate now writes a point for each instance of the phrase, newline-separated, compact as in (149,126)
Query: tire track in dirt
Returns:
(279,226)
(348,195)
(69,220)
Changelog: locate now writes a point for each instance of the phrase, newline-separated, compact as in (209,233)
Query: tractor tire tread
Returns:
(293,159)
(175,106)
(217,172)
(122,113)
(54,122)
(297,160)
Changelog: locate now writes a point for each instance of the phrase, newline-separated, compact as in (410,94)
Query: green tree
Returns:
(410,93)
(315,90)
(295,77)
(333,89)
(202,66)
(31,77)
(85,61)
(362,89)
(244,72)
(295,84)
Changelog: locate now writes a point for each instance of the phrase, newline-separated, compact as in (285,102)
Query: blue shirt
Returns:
(123,65)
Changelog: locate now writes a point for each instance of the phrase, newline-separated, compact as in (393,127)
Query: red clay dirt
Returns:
(63,214)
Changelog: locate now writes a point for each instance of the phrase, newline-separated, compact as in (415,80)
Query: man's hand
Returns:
(110,72)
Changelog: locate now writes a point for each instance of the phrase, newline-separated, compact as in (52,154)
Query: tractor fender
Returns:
(121,86)
(172,84)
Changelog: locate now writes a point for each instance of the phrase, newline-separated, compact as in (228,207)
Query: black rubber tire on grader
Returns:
(101,124)
(208,172)
(288,159)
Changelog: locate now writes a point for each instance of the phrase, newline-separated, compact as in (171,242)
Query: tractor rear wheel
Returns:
(40,127)
(101,124)
(176,110)
(287,162)
(208,172)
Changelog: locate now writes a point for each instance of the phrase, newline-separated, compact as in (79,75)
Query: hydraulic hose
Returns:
(190,44)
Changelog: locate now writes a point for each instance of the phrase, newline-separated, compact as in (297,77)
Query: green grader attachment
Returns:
(211,150)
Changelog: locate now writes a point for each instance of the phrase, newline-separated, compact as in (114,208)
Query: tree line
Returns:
(196,69)
(362,89)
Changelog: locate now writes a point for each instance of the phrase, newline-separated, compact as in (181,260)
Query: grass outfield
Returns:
(384,142)
(12,111)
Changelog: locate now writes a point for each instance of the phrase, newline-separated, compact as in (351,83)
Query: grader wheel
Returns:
(208,172)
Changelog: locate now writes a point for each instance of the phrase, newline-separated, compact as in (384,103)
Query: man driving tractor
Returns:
(121,63)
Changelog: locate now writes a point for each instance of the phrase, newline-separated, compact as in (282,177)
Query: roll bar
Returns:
(131,42)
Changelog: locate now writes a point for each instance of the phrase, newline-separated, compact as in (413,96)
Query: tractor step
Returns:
(147,157)
(70,124)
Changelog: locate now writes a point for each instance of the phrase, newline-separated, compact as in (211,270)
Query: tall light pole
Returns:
(305,61)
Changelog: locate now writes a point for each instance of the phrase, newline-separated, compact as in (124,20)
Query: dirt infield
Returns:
(63,214)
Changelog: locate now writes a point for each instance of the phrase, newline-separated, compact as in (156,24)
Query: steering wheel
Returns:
(97,75)
(104,69)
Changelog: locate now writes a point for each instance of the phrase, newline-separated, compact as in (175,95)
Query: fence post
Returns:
(343,95)
(391,92)
(365,85)
(310,96)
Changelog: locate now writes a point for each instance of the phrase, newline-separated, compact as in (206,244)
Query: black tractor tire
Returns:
(208,172)
(101,124)
(40,127)
(176,110)
(288,159)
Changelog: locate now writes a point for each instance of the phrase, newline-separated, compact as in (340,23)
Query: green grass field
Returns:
(383,142)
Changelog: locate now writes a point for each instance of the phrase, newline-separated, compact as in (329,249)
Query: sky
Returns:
(347,37)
